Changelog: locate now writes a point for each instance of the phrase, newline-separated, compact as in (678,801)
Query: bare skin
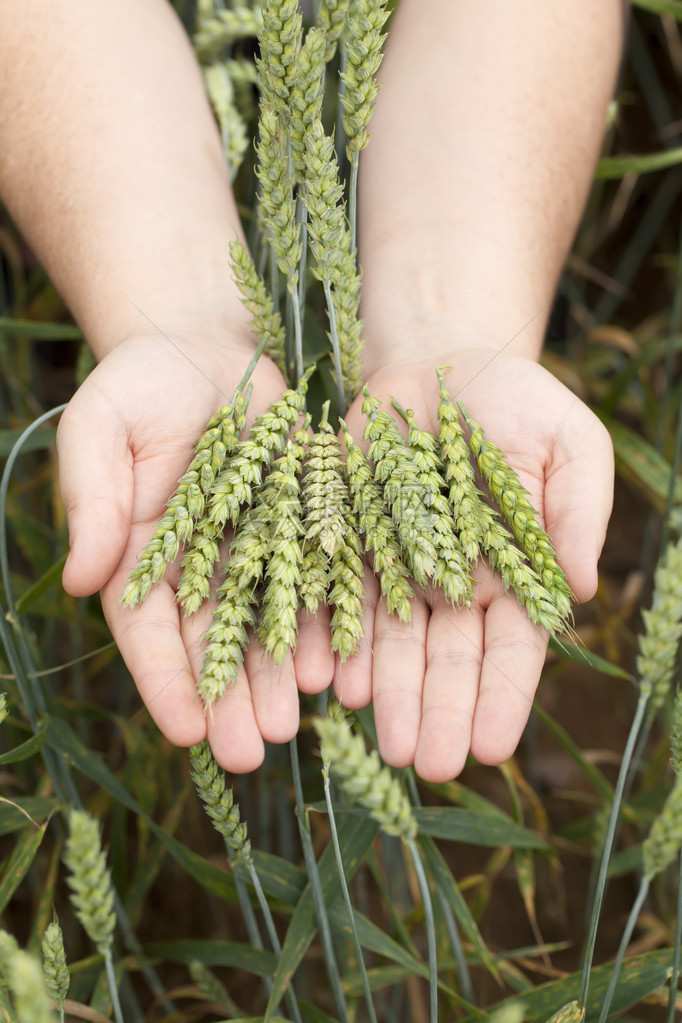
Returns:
(484,139)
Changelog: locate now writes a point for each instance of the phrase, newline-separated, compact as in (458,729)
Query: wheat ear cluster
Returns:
(451,572)
(378,530)
(403,494)
(186,506)
(303,516)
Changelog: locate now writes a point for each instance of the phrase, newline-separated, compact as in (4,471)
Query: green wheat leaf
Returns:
(477,828)
(26,750)
(19,863)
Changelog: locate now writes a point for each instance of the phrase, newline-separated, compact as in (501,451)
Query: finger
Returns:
(353,677)
(313,659)
(514,656)
(397,681)
(233,732)
(151,644)
(96,484)
(454,655)
(578,502)
(274,693)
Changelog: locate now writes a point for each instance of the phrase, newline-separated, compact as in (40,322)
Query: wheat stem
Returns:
(608,845)
(298,326)
(466,987)
(336,351)
(622,948)
(430,927)
(113,986)
(353,200)
(677,944)
(316,887)
(346,895)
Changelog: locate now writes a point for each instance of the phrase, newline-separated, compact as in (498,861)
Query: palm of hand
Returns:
(126,438)
(460,680)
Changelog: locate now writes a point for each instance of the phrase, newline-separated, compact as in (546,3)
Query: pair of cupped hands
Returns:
(453,681)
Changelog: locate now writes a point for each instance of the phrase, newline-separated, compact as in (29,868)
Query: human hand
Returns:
(125,439)
(460,680)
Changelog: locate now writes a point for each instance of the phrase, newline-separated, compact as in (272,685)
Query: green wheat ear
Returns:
(331,528)
(363,57)
(511,497)
(663,629)
(266,320)
(221,93)
(218,29)
(280,44)
(90,881)
(378,529)
(323,198)
(325,498)
(306,96)
(471,514)
(218,800)
(232,488)
(276,192)
(210,987)
(572,1012)
(24,976)
(452,572)
(57,977)
(363,777)
(403,491)
(278,626)
(663,843)
(331,18)
(676,735)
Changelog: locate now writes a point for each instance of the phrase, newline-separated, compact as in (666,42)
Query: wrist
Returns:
(216,320)
(406,337)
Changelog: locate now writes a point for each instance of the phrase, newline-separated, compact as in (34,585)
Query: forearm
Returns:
(111,165)
(483,146)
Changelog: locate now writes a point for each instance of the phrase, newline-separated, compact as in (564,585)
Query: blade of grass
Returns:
(610,167)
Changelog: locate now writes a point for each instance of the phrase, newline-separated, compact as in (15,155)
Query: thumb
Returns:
(96,484)
(578,502)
